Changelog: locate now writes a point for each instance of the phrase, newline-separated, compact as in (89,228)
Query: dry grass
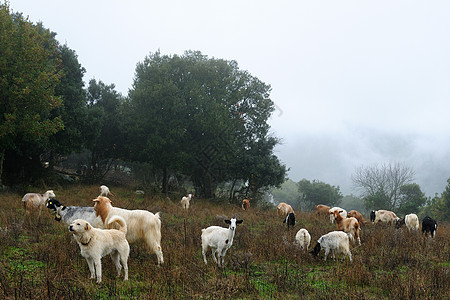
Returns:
(43,261)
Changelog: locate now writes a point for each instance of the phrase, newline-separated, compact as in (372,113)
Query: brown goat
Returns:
(245,204)
(357,215)
(322,210)
(347,225)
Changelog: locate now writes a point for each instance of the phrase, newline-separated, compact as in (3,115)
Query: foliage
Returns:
(438,207)
(29,74)
(102,131)
(202,117)
(411,199)
(318,192)
(287,193)
(350,202)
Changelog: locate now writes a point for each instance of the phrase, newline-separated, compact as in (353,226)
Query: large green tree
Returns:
(28,76)
(200,116)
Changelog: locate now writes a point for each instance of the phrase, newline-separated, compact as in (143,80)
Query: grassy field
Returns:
(42,261)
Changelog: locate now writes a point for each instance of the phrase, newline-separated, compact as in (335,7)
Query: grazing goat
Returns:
(284,209)
(322,210)
(219,239)
(142,225)
(356,214)
(429,225)
(335,241)
(185,201)
(104,191)
(383,216)
(245,204)
(290,220)
(303,238)
(68,214)
(348,225)
(411,221)
(36,202)
(343,213)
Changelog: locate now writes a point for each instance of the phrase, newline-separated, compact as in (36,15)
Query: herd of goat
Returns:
(142,225)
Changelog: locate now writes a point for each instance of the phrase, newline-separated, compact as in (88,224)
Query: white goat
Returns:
(219,239)
(303,238)
(334,241)
(185,201)
(35,201)
(104,191)
(343,213)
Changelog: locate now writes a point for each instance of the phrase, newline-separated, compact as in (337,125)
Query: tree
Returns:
(202,117)
(411,199)
(102,135)
(380,185)
(317,192)
(28,77)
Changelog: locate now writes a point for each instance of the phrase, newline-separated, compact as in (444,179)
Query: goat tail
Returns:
(119,220)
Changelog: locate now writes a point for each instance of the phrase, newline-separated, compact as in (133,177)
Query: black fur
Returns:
(290,220)
(372,216)
(429,225)
(316,249)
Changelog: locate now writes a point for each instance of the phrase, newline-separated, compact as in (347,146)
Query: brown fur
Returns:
(284,209)
(245,204)
(357,215)
(347,225)
(322,210)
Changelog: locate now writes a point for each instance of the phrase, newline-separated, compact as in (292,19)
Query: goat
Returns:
(284,209)
(322,209)
(36,202)
(303,238)
(335,241)
(343,213)
(383,216)
(104,191)
(429,225)
(290,220)
(348,225)
(185,201)
(411,221)
(142,225)
(357,215)
(68,214)
(219,239)
(245,204)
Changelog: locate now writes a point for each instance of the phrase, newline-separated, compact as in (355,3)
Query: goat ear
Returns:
(341,211)
(88,227)
(227,221)
(239,221)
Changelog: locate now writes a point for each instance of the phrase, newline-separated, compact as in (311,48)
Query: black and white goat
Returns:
(70,213)
(429,225)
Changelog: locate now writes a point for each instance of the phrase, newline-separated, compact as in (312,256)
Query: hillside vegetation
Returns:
(42,261)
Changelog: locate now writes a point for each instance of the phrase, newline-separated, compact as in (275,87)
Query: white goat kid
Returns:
(219,239)
(36,202)
(185,201)
(303,238)
(104,191)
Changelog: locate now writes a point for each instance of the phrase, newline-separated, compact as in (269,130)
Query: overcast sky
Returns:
(354,82)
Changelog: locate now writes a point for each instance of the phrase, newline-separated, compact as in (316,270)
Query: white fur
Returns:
(185,201)
(412,222)
(219,239)
(343,213)
(142,225)
(104,191)
(385,216)
(336,242)
(35,201)
(95,243)
(303,238)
